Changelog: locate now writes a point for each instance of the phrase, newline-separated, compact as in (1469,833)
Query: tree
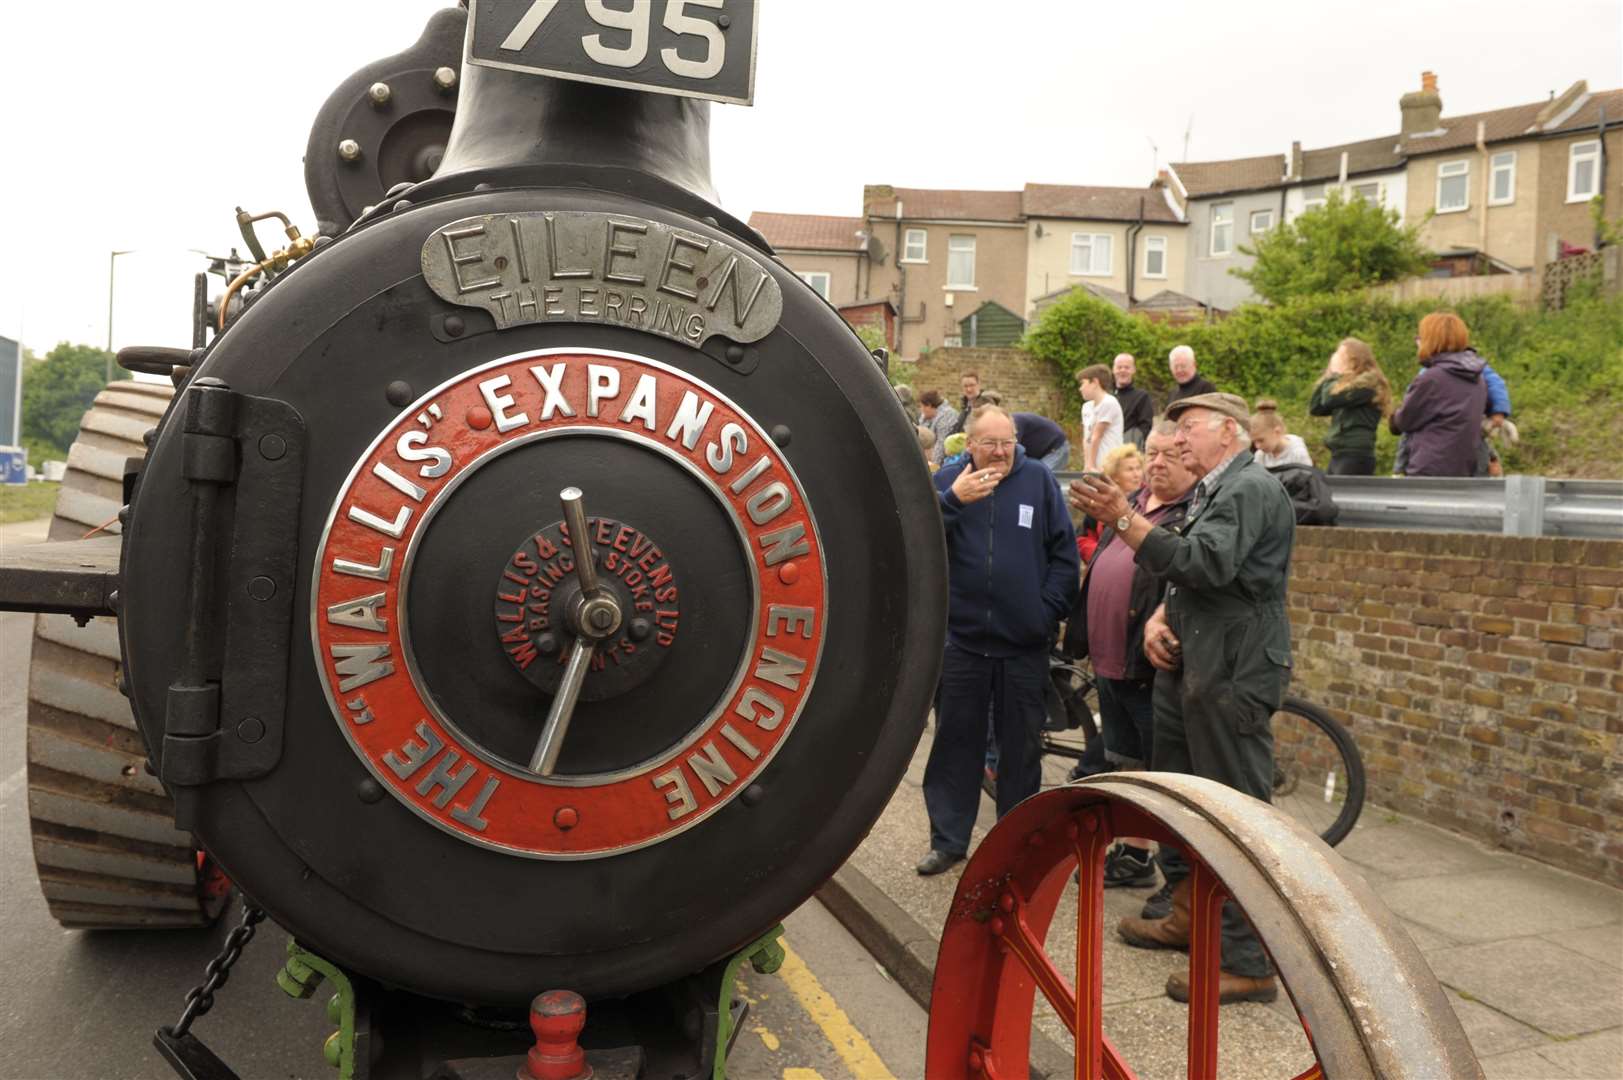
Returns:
(57,391)
(1344,244)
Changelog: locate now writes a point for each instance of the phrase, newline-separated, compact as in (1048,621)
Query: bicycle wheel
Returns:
(1318,773)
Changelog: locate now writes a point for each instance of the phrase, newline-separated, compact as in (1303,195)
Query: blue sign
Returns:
(13,465)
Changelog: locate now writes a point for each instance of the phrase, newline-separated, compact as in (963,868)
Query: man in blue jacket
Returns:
(1012,573)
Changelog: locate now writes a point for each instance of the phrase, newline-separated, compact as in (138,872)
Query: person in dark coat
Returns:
(1221,645)
(970,383)
(1190,382)
(1043,440)
(1354,394)
(1442,411)
(1012,574)
(1137,407)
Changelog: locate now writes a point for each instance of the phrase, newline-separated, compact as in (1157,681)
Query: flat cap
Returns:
(1230,405)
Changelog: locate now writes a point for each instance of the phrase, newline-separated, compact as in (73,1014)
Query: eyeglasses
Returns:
(996,444)
(1188,426)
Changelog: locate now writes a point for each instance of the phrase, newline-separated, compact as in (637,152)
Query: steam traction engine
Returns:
(532,584)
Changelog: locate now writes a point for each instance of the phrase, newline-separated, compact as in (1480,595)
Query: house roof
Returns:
(1103,292)
(1096,203)
(1519,121)
(879,200)
(1241,174)
(1366,155)
(811,231)
(873,301)
(1589,113)
(1169,300)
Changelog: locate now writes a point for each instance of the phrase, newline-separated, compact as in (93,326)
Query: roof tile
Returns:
(942,204)
(1241,174)
(1096,203)
(812,231)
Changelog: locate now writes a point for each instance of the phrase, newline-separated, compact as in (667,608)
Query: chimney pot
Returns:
(1428,81)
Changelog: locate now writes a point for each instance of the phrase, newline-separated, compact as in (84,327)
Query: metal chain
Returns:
(201,998)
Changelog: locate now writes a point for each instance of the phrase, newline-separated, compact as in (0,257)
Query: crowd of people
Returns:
(1173,587)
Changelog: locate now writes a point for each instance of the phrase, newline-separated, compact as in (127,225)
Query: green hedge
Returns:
(1564,369)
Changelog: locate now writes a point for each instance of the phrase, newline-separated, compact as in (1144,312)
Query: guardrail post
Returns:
(1524,506)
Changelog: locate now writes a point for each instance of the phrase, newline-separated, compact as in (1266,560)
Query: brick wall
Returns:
(1482,677)
(1026,383)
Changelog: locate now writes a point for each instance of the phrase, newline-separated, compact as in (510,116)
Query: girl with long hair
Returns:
(1354,394)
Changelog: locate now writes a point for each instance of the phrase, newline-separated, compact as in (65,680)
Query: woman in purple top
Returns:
(1441,414)
(1107,625)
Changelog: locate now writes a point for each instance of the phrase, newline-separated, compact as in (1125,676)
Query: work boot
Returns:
(1171,932)
(1230,988)
(1159,905)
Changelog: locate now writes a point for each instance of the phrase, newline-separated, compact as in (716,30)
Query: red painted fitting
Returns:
(557,1018)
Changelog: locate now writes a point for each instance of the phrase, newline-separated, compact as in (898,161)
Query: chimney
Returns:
(1293,168)
(1162,179)
(1558,105)
(1422,109)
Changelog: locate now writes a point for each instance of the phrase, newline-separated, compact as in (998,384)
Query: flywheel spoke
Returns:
(1087,1024)
(1206,898)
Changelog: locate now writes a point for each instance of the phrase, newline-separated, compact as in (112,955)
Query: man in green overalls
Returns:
(1221,644)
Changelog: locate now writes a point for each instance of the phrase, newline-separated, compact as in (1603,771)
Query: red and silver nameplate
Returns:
(362,640)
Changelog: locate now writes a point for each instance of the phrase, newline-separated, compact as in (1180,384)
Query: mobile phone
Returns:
(1097,475)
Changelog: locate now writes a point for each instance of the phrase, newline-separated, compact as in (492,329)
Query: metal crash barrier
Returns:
(1509,506)
(1368,1003)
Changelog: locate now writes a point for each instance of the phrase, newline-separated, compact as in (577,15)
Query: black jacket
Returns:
(1200,384)
(1137,411)
(1310,494)
(1145,596)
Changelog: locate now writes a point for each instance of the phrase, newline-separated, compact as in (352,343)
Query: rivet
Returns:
(484,185)
(997,926)
(712,222)
(380,93)
(251,729)
(753,794)
(780,435)
(735,354)
(124,686)
(262,588)
(566,818)
(1006,902)
(113,600)
(369,790)
(725,20)
(444,79)
(349,150)
(399,393)
(124,515)
(1034,839)
(478,417)
(547,643)
(272,447)
(454,326)
(403,186)
(789,573)
(640,629)
(149,436)
(403,204)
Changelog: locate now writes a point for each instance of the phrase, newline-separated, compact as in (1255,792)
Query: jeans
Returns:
(1012,688)
(1127,721)
(1351,463)
(1057,458)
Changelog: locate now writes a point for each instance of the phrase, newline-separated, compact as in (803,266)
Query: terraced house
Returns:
(1503,191)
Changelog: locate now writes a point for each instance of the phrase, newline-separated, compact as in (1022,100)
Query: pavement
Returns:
(1530,957)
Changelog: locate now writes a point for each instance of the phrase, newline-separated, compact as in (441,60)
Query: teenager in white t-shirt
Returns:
(1101,414)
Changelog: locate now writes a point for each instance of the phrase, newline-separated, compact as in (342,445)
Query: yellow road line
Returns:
(848,1042)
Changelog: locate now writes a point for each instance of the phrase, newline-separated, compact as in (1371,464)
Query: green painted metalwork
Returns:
(765,955)
(300,977)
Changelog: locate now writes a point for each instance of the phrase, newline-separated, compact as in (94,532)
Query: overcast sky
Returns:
(142,125)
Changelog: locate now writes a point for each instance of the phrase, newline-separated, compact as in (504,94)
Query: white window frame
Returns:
(956,246)
(1448,170)
(1155,245)
(828,281)
(1092,268)
(1588,150)
(1502,162)
(923,237)
(1380,191)
(1269,224)
(1228,249)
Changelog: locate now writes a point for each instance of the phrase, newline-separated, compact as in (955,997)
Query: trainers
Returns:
(1125,869)
(1159,905)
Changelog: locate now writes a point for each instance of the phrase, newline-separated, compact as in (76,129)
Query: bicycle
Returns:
(1318,771)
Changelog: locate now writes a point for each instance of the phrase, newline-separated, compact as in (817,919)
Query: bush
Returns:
(1342,245)
(1564,369)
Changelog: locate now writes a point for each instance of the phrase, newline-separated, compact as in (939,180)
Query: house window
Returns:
(1453,186)
(1090,254)
(818,280)
(1370,192)
(913,246)
(960,262)
(1222,228)
(1155,256)
(1312,198)
(1262,220)
(1502,179)
(1583,170)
